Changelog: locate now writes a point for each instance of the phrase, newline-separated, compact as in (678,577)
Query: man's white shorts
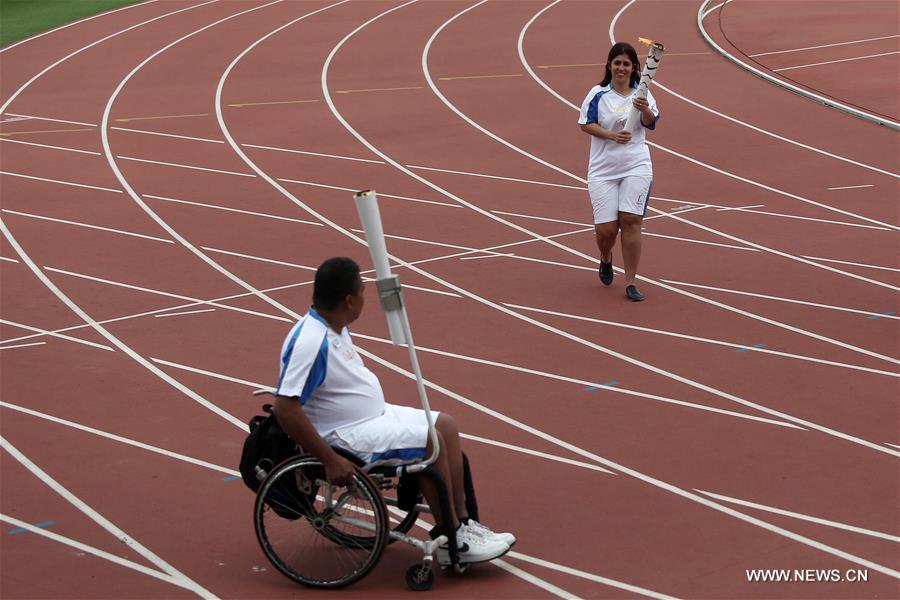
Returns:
(628,195)
(396,437)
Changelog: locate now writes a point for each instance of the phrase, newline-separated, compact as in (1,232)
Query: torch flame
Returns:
(645,41)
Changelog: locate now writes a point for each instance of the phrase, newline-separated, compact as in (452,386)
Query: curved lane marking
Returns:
(689,495)
(877,119)
(178,578)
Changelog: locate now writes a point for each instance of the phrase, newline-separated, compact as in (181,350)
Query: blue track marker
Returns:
(753,346)
(884,314)
(19,530)
(230,478)
(593,388)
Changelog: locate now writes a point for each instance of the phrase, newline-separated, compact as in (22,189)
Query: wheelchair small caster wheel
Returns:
(419,577)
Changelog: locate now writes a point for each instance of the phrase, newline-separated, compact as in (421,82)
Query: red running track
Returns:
(153,256)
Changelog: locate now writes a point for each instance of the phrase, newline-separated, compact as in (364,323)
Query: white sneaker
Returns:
(473,548)
(485,532)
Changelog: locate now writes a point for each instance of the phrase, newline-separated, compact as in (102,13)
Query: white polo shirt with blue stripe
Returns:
(325,372)
(609,160)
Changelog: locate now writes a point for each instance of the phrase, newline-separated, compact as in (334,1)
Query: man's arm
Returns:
(296,424)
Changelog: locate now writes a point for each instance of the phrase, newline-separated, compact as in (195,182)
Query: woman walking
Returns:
(620,173)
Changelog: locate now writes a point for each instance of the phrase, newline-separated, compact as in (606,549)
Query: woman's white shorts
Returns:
(396,437)
(628,195)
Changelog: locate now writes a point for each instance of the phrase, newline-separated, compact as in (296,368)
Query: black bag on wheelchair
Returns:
(265,446)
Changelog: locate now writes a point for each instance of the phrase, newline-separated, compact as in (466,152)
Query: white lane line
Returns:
(829,102)
(292,151)
(886,37)
(433,243)
(694,497)
(178,577)
(829,221)
(51,120)
(12,260)
(259,386)
(704,340)
(584,383)
(686,494)
(86,225)
(693,241)
(177,307)
(354,190)
(759,129)
(22,345)
(713,8)
(739,207)
(535,581)
(42,277)
(182,166)
(531,452)
(493,136)
(893,445)
(536,218)
(160,293)
(851,187)
(782,299)
(512,313)
(54,334)
(259,258)
(103,331)
(118,438)
(35,77)
(232,472)
(584,575)
(246,295)
(559,185)
(831,62)
(12,141)
(803,517)
(306,268)
(187,312)
(72,183)
(855,264)
(251,384)
(123,562)
(236,210)
(171,135)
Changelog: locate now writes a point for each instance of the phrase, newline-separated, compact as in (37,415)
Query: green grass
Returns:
(20,19)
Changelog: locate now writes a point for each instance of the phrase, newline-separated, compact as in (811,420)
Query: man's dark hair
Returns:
(335,278)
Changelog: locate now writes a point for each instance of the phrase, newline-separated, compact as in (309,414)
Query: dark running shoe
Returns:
(606,272)
(633,294)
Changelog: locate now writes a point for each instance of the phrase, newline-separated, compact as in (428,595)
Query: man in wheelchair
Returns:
(326,398)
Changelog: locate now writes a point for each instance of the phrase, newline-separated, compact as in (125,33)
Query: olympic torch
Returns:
(655,55)
(390,292)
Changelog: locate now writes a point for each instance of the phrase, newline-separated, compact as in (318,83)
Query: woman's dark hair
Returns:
(627,49)
(335,278)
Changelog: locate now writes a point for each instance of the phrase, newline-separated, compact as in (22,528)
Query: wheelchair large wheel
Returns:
(310,529)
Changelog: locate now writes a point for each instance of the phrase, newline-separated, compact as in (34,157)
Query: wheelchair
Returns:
(324,535)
